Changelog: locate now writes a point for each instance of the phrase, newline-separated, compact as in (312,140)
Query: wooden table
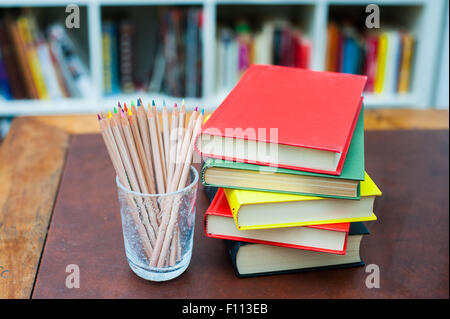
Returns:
(32,158)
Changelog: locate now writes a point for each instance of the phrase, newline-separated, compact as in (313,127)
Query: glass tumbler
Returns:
(158,230)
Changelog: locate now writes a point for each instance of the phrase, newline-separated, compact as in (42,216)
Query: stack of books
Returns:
(286,151)
(386,57)
(40,65)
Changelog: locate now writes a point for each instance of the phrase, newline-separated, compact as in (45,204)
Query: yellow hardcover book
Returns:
(381,62)
(405,67)
(33,60)
(263,210)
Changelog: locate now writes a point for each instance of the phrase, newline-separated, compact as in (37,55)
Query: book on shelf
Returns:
(126,58)
(176,59)
(250,259)
(263,109)
(255,209)
(385,56)
(12,77)
(228,174)
(275,41)
(111,83)
(219,223)
(40,65)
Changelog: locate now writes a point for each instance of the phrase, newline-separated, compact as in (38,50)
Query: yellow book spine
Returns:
(33,60)
(381,62)
(316,222)
(234,203)
(405,68)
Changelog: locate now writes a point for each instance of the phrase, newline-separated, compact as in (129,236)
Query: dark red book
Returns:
(286,117)
(371,61)
(219,223)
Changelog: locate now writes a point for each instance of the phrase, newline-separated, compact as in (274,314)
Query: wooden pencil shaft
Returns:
(141,153)
(182,182)
(166,135)
(156,156)
(134,156)
(173,144)
(145,135)
(160,143)
(134,211)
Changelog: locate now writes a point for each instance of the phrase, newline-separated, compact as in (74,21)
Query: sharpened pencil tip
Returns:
(175,105)
(109,114)
(125,107)
(164,102)
(129,112)
(196,109)
(139,102)
(203,111)
(182,102)
(98,116)
(132,103)
(153,102)
(118,104)
(115,110)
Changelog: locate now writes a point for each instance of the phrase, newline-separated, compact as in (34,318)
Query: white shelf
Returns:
(427,28)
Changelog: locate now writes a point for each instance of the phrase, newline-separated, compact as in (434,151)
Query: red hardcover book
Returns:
(219,223)
(286,117)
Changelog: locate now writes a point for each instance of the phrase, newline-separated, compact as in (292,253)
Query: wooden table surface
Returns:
(32,159)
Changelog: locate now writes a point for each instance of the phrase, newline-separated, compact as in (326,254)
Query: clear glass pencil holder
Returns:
(158,230)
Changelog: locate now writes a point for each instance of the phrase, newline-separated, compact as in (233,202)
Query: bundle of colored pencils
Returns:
(151,160)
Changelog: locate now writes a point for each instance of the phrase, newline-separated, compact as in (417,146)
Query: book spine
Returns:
(32,58)
(381,63)
(23,61)
(5,89)
(126,34)
(9,56)
(405,67)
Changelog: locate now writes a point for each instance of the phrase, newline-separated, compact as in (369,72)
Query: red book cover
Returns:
(219,207)
(371,61)
(309,109)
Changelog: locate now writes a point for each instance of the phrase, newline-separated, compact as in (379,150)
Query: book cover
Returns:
(273,97)
(237,199)
(353,168)
(277,257)
(325,238)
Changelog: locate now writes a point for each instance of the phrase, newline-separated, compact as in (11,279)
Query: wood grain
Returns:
(31,161)
(375,119)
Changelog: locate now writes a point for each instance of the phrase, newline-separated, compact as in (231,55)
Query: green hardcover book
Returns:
(228,174)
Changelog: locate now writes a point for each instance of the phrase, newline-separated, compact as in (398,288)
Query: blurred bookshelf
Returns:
(195,69)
